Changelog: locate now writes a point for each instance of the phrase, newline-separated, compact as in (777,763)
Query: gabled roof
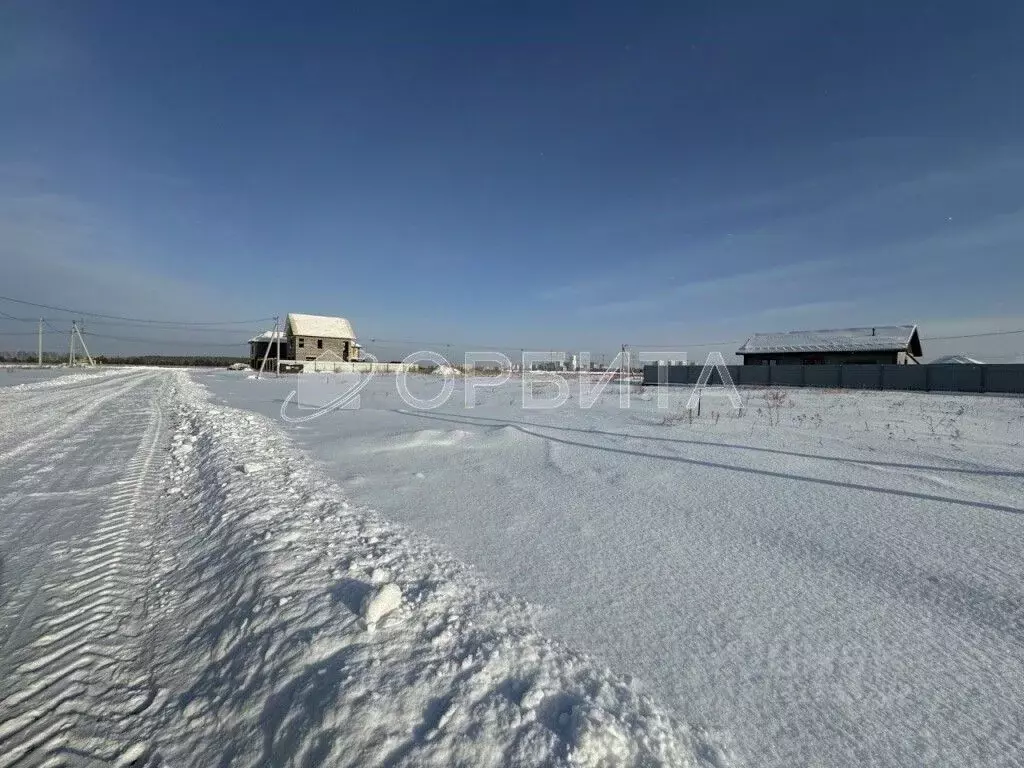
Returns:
(320,325)
(268,336)
(882,338)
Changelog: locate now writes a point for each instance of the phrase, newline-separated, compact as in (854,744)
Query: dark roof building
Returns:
(880,344)
(268,345)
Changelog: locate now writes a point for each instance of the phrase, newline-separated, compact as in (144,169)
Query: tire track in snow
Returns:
(82,681)
(62,414)
(71,417)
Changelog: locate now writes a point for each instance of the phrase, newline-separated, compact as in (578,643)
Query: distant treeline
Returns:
(51,358)
(170,360)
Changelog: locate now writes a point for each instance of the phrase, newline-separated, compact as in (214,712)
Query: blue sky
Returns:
(529,174)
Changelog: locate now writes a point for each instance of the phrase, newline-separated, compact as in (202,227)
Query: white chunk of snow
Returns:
(379,603)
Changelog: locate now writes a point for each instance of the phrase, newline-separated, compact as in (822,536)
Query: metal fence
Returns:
(922,378)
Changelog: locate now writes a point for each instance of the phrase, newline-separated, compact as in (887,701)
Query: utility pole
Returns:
(40,342)
(81,339)
(266,352)
(71,347)
(278,337)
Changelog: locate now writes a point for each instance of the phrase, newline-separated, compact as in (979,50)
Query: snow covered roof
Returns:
(956,360)
(320,325)
(268,336)
(882,338)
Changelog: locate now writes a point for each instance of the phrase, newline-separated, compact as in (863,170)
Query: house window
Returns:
(302,343)
(319,343)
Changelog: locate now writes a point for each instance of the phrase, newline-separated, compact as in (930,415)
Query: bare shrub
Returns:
(774,401)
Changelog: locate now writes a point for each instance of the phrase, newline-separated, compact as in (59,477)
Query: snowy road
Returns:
(179,586)
(76,461)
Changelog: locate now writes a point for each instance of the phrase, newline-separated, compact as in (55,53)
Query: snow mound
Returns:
(446,370)
(280,581)
(426,438)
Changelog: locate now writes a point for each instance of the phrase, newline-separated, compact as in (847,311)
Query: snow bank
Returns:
(279,581)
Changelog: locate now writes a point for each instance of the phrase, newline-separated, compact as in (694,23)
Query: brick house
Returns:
(314,336)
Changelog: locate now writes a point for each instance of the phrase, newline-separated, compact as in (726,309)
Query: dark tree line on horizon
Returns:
(54,358)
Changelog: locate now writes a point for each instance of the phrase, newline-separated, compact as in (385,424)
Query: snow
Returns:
(320,325)
(379,603)
(227,622)
(31,377)
(446,370)
(831,578)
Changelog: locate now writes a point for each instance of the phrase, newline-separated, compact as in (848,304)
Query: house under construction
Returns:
(306,338)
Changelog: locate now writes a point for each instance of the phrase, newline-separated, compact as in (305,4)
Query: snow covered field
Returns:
(180,586)
(831,579)
(834,578)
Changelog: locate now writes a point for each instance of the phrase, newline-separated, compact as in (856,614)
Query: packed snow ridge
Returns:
(226,605)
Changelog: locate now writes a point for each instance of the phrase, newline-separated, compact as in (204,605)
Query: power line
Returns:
(85,313)
(176,342)
(971,335)
(19,319)
(169,327)
(706,344)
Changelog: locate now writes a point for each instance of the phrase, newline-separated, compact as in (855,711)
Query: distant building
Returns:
(304,338)
(880,344)
(311,336)
(258,348)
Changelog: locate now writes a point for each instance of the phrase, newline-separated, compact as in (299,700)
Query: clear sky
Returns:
(520,174)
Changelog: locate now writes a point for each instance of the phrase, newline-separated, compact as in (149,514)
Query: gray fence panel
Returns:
(860,376)
(936,378)
(677,374)
(821,376)
(905,377)
(954,378)
(1004,378)
(787,375)
(753,375)
(650,374)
